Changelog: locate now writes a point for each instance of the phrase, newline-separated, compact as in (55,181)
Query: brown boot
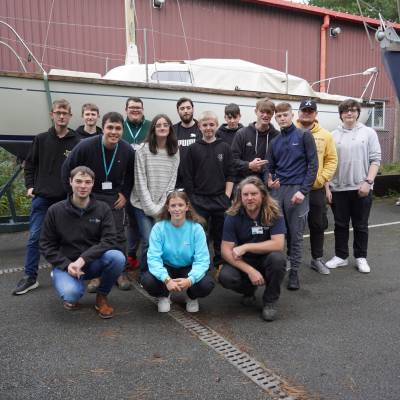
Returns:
(123,282)
(93,285)
(102,306)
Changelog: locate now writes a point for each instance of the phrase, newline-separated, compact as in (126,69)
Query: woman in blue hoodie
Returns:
(178,257)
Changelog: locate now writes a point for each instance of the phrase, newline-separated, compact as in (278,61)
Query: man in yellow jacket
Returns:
(327,162)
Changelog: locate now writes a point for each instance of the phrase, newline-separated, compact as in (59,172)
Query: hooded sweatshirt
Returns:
(45,159)
(249,144)
(208,168)
(357,149)
(70,232)
(327,157)
(80,131)
(227,134)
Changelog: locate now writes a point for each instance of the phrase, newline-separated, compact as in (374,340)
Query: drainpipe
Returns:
(322,65)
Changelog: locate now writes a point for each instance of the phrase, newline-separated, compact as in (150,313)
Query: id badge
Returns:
(106,185)
(257,230)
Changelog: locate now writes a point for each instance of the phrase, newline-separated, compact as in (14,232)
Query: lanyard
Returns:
(130,131)
(107,170)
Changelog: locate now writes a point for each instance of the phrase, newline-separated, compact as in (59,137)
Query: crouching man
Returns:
(79,240)
(252,244)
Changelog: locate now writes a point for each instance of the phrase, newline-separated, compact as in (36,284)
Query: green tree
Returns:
(372,8)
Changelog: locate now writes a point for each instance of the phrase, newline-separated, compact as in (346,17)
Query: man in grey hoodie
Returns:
(359,155)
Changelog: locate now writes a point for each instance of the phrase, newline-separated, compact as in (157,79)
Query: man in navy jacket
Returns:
(292,169)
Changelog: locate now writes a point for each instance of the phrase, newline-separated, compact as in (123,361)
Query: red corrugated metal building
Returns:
(91,35)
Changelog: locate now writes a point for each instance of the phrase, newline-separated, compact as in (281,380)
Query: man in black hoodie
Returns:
(227,131)
(208,178)
(250,145)
(90,115)
(43,183)
(78,240)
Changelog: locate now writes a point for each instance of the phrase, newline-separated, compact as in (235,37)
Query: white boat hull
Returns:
(25,111)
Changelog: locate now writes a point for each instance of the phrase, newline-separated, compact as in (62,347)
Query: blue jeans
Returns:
(133,235)
(145,223)
(108,268)
(36,218)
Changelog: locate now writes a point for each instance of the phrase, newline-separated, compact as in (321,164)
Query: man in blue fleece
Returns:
(292,169)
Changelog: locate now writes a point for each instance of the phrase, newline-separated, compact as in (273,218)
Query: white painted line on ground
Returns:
(370,226)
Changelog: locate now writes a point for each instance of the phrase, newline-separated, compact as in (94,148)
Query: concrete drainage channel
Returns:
(267,380)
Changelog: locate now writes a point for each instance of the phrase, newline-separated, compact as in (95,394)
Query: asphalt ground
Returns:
(336,338)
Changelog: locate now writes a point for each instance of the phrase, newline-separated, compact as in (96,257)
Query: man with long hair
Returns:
(252,245)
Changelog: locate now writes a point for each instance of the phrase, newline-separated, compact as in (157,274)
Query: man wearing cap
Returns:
(327,162)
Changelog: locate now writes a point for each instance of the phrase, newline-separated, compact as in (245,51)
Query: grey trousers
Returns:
(295,218)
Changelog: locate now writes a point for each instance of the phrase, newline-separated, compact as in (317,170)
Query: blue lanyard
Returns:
(130,131)
(107,171)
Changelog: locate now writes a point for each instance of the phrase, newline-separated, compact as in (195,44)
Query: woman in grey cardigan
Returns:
(156,167)
(350,192)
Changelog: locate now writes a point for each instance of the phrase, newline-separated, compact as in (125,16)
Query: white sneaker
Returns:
(335,262)
(164,304)
(362,265)
(192,306)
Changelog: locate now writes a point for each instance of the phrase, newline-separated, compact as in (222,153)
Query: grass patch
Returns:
(8,165)
(390,169)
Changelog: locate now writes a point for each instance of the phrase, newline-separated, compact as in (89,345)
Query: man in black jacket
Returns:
(250,145)
(43,183)
(112,160)
(208,178)
(90,116)
(78,239)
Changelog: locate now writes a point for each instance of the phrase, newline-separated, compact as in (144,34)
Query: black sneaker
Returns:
(269,312)
(26,284)
(293,281)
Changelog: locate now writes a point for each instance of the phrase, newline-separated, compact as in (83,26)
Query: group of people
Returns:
(179,186)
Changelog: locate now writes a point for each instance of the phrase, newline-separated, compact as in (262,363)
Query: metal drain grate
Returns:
(20,269)
(258,373)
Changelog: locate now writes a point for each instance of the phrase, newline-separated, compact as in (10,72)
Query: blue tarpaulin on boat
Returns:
(391,60)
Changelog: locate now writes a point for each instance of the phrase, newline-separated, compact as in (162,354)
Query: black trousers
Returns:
(272,266)
(346,206)
(156,288)
(118,215)
(317,222)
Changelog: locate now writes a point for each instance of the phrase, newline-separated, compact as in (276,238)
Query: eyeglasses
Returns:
(177,190)
(135,108)
(352,110)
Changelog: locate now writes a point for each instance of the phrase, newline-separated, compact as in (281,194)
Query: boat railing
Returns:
(372,72)
(32,56)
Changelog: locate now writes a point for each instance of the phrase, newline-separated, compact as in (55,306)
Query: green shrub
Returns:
(8,165)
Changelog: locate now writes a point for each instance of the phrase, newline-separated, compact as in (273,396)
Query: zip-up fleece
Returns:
(327,157)
(69,232)
(357,149)
(293,158)
(80,131)
(227,134)
(43,165)
(249,144)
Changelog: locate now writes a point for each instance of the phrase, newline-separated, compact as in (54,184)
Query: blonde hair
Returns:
(208,115)
(270,210)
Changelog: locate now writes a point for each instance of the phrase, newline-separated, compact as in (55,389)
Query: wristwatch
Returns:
(167,279)
(369,181)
